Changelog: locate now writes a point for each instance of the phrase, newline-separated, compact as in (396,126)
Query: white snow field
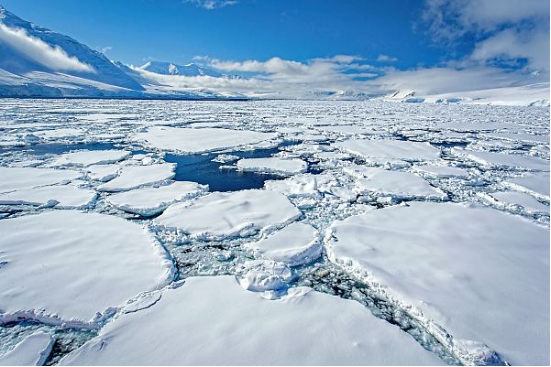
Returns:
(304,327)
(273,232)
(72,267)
(131,177)
(150,201)
(186,140)
(220,215)
(280,166)
(451,262)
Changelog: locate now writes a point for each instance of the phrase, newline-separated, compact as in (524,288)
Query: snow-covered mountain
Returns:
(167,68)
(36,60)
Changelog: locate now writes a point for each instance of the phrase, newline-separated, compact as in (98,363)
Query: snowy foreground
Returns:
(361,233)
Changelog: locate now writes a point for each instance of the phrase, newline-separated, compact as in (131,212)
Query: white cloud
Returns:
(106,49)
(505,31)
(211,4)
(386,58)
(54,58)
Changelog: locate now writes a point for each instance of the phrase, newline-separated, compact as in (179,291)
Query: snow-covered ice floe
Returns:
(219,215)
(279,166)
(393,184)
(511,200)
(150,201)
(87,158)
(131,177)
(219,323)
(442,171)
(504,161)
(18,178)
(390,149)
(536,184)
(264,276)
(481,274)
(189,140)
(294,245)
(65,196)
(31,351)
(72,267)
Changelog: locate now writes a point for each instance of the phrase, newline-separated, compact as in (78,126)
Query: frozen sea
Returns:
(273,232)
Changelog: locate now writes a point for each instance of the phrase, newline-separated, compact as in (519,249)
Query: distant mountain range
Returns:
(38,62)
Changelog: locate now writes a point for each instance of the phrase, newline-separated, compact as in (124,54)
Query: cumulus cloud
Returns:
(386,58)
(54,58)
(211,4)
(506,32)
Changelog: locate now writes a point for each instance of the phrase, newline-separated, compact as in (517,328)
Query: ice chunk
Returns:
(442,171)
(229,326)
(89,157)
(390,149)
(18,178)
(400,185)
(501,160)
(68,266)
(151,201)
(104,172)
(280,166)
(264,275)
(187,140)
(536,184)
(510,199)
(221,214)
(131,177)
(59,196)
(32,351)
(481,274)
(294,245)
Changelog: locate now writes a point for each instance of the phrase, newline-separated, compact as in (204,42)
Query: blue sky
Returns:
(176,31)
(432,46)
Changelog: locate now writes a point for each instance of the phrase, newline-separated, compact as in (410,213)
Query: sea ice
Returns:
(390,149)
(18,178)
(536,184)
(89,157)
(294,245)
(442,171)
(219,323)
(68,266)
(151,201)
(280,166)
(188,140)
(65,196)
(501,160)
(31,351)
(230,214)
(481,274)
(509,199)
(264,275)
(131,177)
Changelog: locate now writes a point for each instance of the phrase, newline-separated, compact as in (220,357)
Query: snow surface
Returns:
(18,178)
(536,184)
(390,149)
(294,245)
(501,160)
(234,327)
(131,177)
(151,201)
(451,262)
(68,197)
(511,199)
(280,166)
(68,266)
(240,213)
(442,171)
(32,351)
(88,158)
(186,140)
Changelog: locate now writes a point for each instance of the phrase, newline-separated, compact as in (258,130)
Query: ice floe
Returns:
(536,184)
(72,267)
(87,158)
(220,215)
(296,244)
(65,196)
(219,323)
(31,351)
(481,274)
(442,171)
(264,275)
(18,178)
(131,177)
(511,200)
(279,166)
(188,140)
(390,149)
(151,201)
(503,160)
